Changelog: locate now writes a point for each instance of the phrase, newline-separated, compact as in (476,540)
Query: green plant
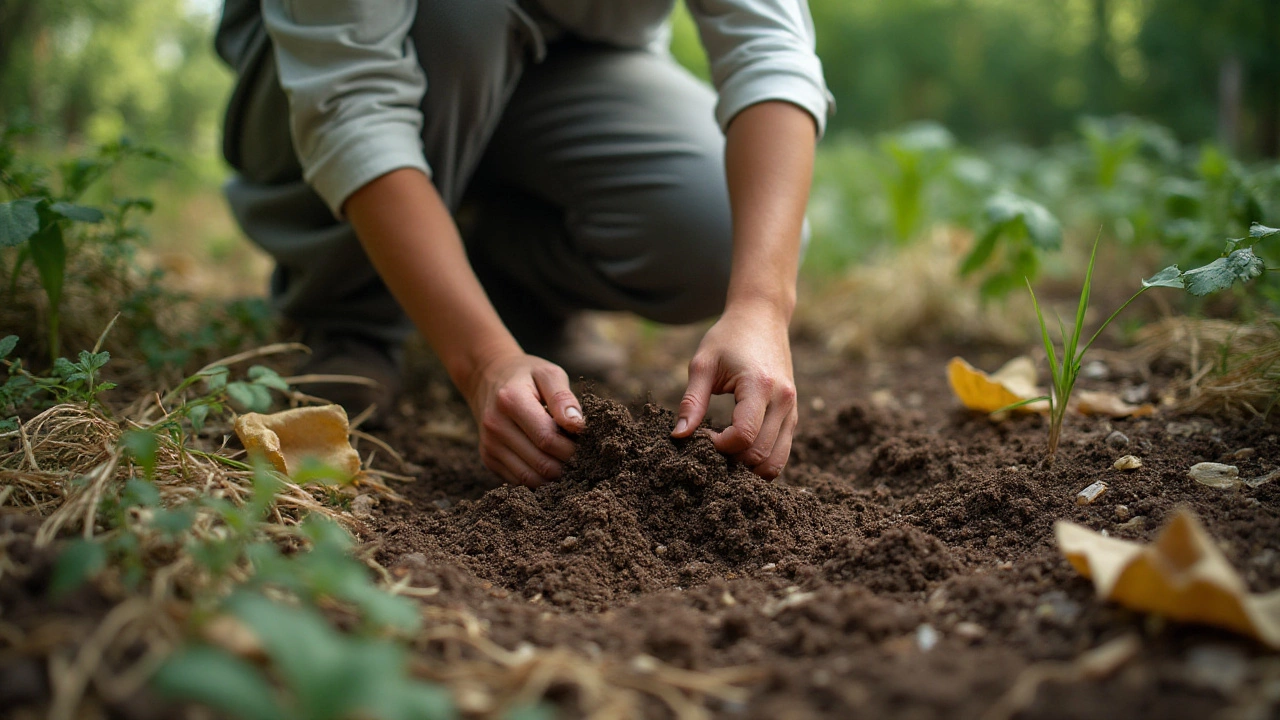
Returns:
(1026,229)
(918,154)
(1238,263)
(37,220)
(321,673)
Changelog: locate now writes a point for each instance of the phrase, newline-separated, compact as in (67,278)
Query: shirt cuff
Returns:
(775,81)
(350,160)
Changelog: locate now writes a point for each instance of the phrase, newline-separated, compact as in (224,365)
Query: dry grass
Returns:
(911,295)
(1225,369)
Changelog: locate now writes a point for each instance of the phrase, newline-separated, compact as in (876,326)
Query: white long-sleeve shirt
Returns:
(355,87)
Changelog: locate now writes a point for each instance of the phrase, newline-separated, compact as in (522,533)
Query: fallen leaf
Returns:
(1096,402)
(294,438)
(1182,575)
(1012,383)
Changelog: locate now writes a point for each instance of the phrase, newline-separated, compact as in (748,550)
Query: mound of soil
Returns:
(636,511)
(903,567)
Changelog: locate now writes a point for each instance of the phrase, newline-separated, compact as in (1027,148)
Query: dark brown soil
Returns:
(902,519)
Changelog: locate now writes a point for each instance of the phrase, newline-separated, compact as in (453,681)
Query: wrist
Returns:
(467,365)
(776,305)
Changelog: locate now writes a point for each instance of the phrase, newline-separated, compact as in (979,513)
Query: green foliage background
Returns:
(1024,71)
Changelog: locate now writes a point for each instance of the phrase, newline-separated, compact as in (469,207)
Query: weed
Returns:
(1238,263)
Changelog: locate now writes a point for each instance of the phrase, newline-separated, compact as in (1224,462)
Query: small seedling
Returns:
(1238,263)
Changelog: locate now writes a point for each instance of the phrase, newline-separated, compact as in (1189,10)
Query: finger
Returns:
(533,421)
(517,471)
(773,466)
(697,397)
(760,450)
(748,417)
(553,386)
(512,437)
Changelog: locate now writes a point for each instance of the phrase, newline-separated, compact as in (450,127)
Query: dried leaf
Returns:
(1182,575)
(1095,402)
(293,439)
(1013,383)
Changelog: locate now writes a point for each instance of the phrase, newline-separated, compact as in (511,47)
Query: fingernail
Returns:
(573,413)
(681,425)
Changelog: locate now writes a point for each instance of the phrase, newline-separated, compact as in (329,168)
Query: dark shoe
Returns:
(359,356)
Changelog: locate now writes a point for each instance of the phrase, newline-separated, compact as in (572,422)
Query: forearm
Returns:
(409,235)
(769,163)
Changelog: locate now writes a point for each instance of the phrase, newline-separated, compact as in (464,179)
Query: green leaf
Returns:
(49,253)
(308,653)
(140,493)
(981,251)
(7,344)
(1241,265)
(79,561)
(1259,231)
(215,378)
(216,678)
(8,424)
(78,213)
(251,397)
(18,221)
(1042,227)
(267,377)
(173,522)
(1170,277)
(142,446)
(197,415)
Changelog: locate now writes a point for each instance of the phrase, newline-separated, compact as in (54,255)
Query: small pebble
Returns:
(1241,454)
(926,637)
(727,599)
(1128,462)
(1117,440)
(1136,395)
(1215,475)
(1123,513)
(569,543)
(1137,522)
(660,550)
(362,505)
(443,503)
(1219,667)
(970,631)
(1095,370)
(1181,429)
(1090,494)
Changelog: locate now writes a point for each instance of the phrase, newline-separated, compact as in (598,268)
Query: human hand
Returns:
(747,353)
(521,403)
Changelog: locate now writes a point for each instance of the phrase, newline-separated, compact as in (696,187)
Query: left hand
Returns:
(747,353)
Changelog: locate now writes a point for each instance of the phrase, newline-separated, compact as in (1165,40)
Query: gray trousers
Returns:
(585,177)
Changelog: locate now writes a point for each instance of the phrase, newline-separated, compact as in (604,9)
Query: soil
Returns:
(903,566)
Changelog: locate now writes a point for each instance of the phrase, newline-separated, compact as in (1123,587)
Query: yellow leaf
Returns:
(1094,402)
(1013,383)
(1182,575)
(292,438)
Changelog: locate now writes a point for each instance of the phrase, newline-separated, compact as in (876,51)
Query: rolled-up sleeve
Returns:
(762,50)
(355,89)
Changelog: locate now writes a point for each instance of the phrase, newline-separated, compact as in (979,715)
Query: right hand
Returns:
(523,407)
